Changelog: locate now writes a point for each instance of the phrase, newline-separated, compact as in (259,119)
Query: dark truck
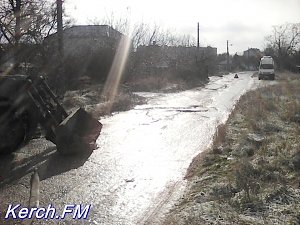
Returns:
(26,102)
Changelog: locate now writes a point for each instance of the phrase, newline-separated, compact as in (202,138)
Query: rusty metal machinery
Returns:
(28,101)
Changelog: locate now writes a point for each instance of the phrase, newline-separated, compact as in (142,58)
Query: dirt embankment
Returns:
(251,174)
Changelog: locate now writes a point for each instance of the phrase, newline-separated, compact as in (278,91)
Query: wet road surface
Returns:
(142,158)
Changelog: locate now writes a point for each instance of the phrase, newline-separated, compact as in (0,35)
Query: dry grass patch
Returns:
(93,101)
(219,136)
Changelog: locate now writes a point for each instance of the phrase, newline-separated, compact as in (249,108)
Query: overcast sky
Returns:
(244,23)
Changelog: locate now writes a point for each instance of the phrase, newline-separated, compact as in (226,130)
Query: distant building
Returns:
(252,52)
(86,38)
(165,57)
(88,50)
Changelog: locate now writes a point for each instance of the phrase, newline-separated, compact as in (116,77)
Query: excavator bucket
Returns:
(77,133)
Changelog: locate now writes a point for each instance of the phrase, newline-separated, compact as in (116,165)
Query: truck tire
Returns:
(30,121)
(273,77)
(12,129)
(15,130)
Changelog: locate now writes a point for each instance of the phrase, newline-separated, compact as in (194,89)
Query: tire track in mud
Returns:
(167,196)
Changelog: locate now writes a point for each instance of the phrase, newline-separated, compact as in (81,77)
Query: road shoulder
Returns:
(251,173)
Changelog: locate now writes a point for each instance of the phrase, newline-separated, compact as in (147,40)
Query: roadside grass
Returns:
(92,100)
(155,83)
(163,83)
(251,173)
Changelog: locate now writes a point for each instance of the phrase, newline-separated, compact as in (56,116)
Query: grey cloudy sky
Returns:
(245,23)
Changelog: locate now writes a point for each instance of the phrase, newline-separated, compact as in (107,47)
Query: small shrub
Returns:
(208,160)
(253,205)
(282,195)
(291,111)
(246,178)
(223,191)
(149,83)
(122,102)
(220,135)
(271,127)
(295,160)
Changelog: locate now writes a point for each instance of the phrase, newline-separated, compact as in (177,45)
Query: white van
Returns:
(266,68)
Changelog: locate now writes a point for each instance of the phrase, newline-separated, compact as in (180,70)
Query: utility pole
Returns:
(17,35)
(198,37)
(61,86)
(198,43)
(298,68)
(248,59)
(227,57)
(60,29)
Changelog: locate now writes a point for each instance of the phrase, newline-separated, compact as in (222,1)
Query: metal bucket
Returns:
(77,133)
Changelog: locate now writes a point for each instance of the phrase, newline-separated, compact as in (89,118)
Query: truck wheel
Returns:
(12,129)
(29,118)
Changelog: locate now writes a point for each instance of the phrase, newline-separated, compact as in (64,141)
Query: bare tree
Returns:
(143,33)
(24,24)
(120,24)
(284,42)
(139,33)
(26,20)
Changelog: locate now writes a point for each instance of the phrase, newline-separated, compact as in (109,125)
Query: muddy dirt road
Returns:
(142,157)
